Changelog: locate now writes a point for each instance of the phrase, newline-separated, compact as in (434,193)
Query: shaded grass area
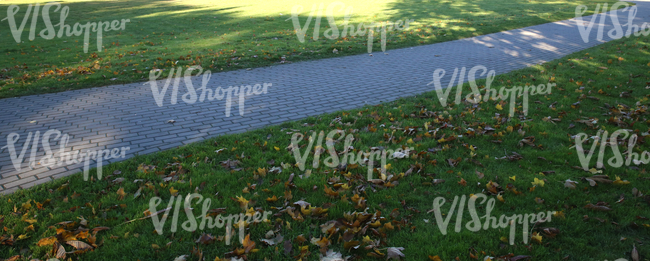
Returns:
(227,35)
(476,138)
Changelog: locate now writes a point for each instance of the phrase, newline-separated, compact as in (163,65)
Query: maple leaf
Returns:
(243,203)
(173,191)
(536,237)
(248,244)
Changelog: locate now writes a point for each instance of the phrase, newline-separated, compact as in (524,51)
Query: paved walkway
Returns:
(128,116)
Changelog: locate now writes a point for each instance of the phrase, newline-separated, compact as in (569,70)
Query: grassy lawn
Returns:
(230,35)
(473,149)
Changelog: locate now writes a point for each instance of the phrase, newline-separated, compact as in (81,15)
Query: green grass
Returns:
(602,72)
(230,35)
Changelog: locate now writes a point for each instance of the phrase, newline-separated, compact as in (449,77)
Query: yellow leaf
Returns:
(273,199)
(173,191)
(513,178)
(121,193)
(504,239)
(595,171)
(618,181)
(499,107)
(243,203)
(536,237)
(46,241)
(538,182)
(389,226)
(500,198)
(276,148)
(510,129)
(366,240)
(27,206)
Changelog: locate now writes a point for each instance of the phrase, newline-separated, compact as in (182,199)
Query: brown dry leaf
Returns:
(287,247)
(479,174)
(206,239)
(435,258)
(454,162)
(300,239)
(121,193)
(635,253)
(395,253)
(462,182)
(330,192)
(59,251)
(274,241)
(331,256)
(530,141)
(46,241)
(551,231)
(570,184)
(79,245)
(598,208)
(14,258)
(248,244)
(492,187)
(97,229)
